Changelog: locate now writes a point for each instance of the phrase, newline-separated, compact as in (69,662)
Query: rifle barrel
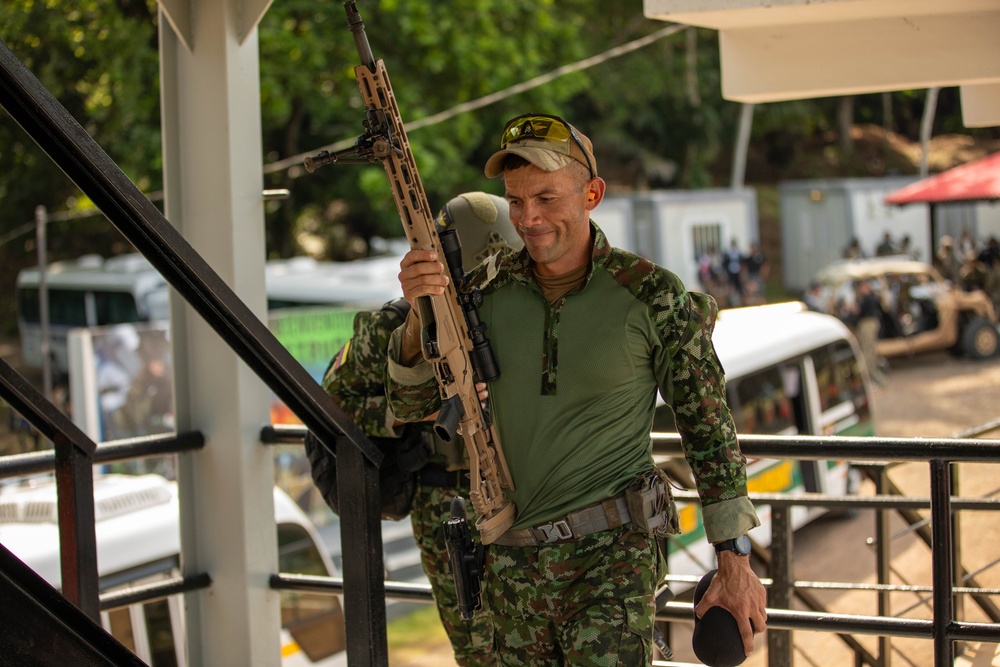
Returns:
(357,27)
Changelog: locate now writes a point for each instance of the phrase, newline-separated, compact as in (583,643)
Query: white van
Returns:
(789,371)
(138,542)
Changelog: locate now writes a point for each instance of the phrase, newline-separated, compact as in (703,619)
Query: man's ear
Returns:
(595,192)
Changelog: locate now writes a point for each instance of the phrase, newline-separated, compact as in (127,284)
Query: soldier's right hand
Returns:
(421,274)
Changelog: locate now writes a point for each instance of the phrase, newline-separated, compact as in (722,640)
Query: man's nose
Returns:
(530,215)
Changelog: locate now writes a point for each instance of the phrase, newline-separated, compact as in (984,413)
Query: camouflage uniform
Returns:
(471,640)
(355,379)
(574,405)
(533,588)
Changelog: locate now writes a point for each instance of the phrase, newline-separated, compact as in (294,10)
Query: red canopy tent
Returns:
(972,181)
(978,180)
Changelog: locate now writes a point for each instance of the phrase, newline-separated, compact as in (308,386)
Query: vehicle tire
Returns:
(980,339)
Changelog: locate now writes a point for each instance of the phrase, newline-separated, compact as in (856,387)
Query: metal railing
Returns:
(943,629)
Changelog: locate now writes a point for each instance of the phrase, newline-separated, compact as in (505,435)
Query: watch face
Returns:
(743,546)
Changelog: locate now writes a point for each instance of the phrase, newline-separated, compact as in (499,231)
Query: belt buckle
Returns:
(555,531)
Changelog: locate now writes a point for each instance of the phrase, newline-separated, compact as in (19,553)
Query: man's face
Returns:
(549,211)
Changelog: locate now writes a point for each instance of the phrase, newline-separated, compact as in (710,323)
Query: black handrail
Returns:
(73,451)
(943,628)
(34,463)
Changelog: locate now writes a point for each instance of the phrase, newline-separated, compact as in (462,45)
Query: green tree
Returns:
(438,55)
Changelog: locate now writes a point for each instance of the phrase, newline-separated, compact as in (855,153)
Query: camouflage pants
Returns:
(587,602)
(472,641)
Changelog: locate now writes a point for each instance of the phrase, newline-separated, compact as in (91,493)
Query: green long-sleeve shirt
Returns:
(577,389)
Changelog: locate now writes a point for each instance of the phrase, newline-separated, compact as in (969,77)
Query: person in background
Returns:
(867,327)
(814,298)
(584,336)
(757,269)
(355,380)
(733,261)
(946,261)
(886,247)
(990,257)
(853,250)
(972,275)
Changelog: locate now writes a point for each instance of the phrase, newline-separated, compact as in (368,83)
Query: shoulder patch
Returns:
(341,357)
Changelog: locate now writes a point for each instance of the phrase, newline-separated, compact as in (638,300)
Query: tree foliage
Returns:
(656,114)
(99,60)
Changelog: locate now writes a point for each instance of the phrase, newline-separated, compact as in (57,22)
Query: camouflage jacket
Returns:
(356,375)
(355,379)
(578,380)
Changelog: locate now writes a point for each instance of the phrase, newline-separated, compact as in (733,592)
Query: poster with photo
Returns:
(121,377)
(121,380)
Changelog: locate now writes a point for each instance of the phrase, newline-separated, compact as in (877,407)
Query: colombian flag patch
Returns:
(341,357)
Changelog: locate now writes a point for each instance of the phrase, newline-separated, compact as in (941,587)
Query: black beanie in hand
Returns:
(716,639)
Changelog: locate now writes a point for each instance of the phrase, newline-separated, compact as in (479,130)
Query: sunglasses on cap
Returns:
(546,128)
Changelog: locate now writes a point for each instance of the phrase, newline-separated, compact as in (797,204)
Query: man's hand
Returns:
(421,274)
(736,588)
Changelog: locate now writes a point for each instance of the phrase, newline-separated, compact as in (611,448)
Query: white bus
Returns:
(789,371)
(92,291)
(138,542)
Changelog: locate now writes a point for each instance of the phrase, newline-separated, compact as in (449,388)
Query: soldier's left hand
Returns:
(736,588)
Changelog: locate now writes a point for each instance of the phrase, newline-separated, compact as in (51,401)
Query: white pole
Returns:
(742,146)
(926,127)
(41,218)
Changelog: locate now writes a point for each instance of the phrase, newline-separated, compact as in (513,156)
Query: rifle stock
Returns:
(446,340)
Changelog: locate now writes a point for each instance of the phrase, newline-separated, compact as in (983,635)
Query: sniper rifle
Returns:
(452,338)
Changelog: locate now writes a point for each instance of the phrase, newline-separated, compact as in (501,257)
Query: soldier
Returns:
(584,336)
(946,261)
(355,380)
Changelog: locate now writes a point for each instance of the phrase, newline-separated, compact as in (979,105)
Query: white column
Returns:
(213,185)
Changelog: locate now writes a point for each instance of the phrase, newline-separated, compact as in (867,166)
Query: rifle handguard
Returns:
(447,337)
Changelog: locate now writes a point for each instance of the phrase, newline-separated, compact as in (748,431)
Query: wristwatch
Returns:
(740,545)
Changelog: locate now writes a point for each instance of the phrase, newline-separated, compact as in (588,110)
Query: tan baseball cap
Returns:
(546,154)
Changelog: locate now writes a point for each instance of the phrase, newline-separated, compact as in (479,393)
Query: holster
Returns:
(651,503)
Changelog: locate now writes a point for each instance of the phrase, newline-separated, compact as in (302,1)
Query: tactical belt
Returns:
(605,515)
(437,476)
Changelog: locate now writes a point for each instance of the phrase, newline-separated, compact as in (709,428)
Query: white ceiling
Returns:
(793,49)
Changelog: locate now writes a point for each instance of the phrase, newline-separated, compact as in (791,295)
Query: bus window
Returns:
(115,308)
(120,625)
(66,307)
(314,620)
(842,394)
(760,403)
(149,630)
(663,420)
